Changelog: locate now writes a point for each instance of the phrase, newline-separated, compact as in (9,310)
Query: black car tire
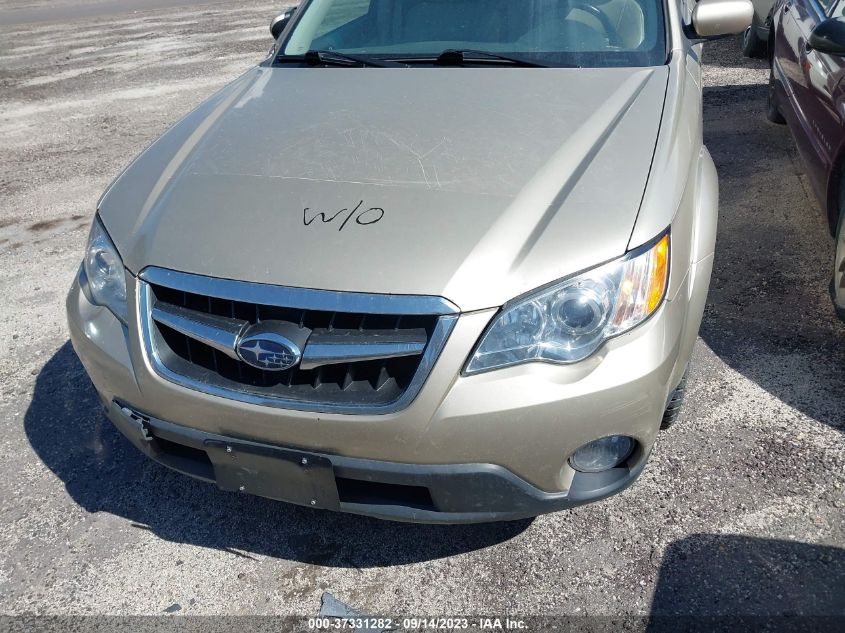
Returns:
(772,110)
(752,45)
(675,402)
(837,292)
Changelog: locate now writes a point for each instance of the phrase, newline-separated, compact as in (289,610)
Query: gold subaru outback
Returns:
(432,260)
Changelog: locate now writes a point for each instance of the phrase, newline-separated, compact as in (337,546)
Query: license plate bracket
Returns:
(277,473)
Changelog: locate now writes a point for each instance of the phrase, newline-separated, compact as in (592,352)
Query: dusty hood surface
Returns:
(473,184)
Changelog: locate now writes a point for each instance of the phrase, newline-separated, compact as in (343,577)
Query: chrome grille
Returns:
(365,353)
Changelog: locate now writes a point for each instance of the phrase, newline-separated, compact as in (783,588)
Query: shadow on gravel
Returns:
(726,52)
(103,472)
(769,314)
(713,582)
(753,96)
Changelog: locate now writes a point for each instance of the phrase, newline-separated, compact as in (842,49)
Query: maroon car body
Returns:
(807,91)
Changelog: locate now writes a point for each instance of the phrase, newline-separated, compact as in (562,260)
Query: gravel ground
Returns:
(739,511)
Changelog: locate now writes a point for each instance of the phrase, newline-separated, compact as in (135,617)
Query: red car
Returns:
(807,91)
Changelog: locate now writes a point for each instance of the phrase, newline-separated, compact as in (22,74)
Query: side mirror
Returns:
(713,18)
(828,37)
(280,22)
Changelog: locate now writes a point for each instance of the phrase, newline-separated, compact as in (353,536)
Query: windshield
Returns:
(591,33)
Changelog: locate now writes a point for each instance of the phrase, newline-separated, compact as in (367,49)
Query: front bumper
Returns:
(487,447)
(449,493)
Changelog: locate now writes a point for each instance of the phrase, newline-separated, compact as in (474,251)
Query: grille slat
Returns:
(347,378)
(187,346)
(381,378)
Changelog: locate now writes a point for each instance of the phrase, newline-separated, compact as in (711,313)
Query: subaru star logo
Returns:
(268,351)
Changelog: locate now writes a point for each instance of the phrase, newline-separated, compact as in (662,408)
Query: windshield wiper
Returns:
(333,58)
(460,56)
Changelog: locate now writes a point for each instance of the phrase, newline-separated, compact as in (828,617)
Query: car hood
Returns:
(473,184)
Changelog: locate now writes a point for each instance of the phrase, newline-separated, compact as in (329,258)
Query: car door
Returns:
(788,45)
(812,78)
(823,78)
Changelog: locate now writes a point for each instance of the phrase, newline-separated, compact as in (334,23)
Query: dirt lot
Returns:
(740,510)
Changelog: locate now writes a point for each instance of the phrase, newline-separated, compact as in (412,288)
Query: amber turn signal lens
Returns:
(659,274)
(642,286)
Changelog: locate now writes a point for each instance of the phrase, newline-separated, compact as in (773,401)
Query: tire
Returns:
(752,45)
(837,283)
(772,110)
(675,403)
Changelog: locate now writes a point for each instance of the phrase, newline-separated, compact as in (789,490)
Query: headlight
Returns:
(568,322)
(105,282)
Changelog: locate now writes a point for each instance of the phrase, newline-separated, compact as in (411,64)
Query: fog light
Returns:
(603,454)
